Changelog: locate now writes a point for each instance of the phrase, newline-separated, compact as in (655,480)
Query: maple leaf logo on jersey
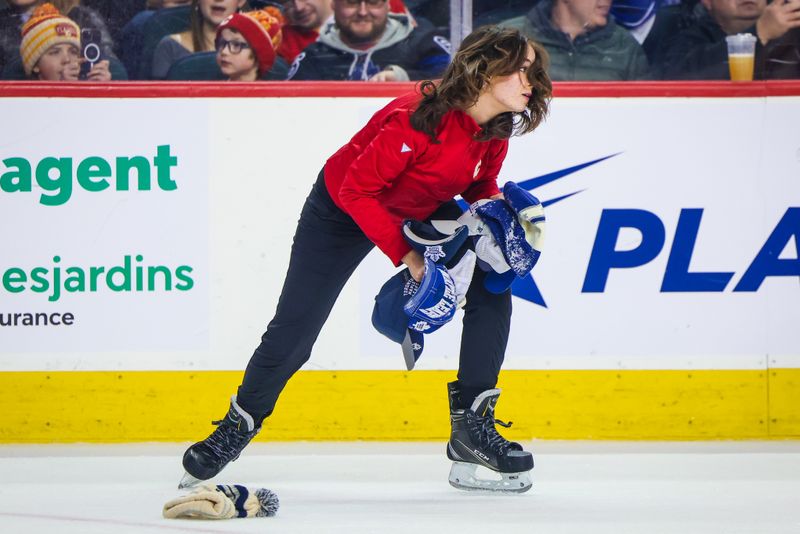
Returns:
(434,252)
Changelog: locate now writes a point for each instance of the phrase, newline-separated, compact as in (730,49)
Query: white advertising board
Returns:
(672,240)
(104,240)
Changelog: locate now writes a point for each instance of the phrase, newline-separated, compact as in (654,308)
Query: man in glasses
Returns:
(366,42)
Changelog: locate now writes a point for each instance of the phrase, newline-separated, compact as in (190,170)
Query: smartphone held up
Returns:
(91,50)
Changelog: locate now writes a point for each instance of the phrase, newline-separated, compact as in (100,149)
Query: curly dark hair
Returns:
(487,52)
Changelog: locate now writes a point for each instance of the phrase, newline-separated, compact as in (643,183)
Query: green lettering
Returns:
(39,279)
(94,167)
(75,280)
(186,282)
(56,280)
(124,166)
(18,180)
(124,271)
(62,185)
(94,274)
(163,161)
(151,277)
(12,276)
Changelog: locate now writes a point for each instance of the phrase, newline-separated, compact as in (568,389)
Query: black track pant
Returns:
(328,246)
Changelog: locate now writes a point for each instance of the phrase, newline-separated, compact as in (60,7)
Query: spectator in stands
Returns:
(87,17)
(50,48)
(131,41)
(11,20)
(246,45)
(304,20)
(700,51)
(206,15)
(782,59)
(366,42)
(20,11)
(656,30)
(582,42)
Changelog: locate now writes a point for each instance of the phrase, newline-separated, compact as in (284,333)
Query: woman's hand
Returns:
(415,264)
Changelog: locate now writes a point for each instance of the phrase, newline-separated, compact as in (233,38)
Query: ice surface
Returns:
(579,488)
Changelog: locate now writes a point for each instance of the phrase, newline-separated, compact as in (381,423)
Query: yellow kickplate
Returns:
(784,403)
(126,406)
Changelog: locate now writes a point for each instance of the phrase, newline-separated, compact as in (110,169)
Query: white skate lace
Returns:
(226,442)
(493,439)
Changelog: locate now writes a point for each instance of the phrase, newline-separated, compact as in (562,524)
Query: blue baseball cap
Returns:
(405,310)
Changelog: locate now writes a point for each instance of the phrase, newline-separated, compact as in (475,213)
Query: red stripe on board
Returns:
(718,89)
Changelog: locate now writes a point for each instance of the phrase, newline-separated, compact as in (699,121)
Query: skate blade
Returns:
(463,476)
(188,481)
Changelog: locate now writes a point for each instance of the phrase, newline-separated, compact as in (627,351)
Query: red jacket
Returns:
(294,40)
(389,171)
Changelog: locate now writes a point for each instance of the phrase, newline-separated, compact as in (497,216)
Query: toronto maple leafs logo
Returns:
(420,326)
(435,252)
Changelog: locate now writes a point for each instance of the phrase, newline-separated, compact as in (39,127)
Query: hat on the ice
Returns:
(223,501)
(262,31)
(46,28)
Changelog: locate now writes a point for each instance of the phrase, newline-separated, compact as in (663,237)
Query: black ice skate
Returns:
(474,442)
(206,458)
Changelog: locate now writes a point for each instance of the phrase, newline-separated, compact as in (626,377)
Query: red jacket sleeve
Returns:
(486,185)
(374,170)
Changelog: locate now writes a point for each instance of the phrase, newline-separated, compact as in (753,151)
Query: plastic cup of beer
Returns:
(741,56)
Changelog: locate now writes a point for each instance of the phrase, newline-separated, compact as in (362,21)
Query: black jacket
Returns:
(700,53)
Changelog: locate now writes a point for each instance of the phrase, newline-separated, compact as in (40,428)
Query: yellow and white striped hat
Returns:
(46,27)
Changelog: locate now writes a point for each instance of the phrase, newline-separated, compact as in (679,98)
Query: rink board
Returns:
(131,406)
(155,238)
